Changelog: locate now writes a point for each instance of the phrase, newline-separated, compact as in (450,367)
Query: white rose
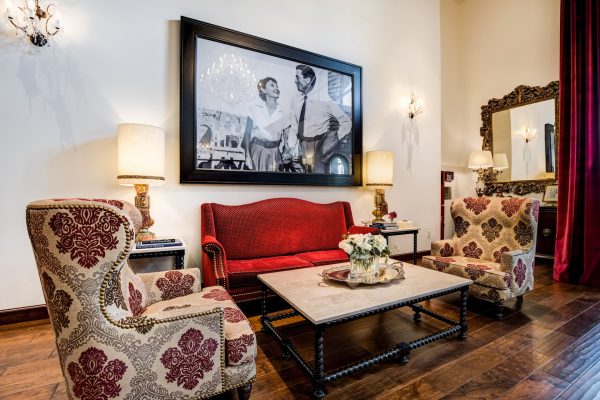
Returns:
(347,247)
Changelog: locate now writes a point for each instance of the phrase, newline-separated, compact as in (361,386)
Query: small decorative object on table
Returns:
(384,275)
(364,251)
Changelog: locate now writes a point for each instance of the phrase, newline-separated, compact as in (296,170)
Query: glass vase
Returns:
(363,268)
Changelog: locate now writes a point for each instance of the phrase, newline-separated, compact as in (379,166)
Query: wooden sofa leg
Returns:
(500,310)
(243,392)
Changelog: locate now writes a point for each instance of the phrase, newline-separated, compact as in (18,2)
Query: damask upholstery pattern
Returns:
(115,337)
(493,244)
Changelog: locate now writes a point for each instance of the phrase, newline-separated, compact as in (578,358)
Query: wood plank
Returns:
(500,379)
(17,378)
(538,386)
(586,387)
(577,358)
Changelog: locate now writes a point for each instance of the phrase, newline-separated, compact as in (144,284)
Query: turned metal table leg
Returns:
(464,296)
(263,307)
(415,248)
(319,371)
(417,315)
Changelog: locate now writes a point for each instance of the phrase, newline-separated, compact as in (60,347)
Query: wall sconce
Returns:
(37,22)
(415,106)
(479,161)
(380,175)
(529,133)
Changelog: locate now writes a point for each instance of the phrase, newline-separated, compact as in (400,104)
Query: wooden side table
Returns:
(178,252)
(403,231)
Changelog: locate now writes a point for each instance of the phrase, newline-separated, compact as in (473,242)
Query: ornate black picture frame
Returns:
(255,111)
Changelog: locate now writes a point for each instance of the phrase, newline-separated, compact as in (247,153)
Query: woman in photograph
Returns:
(263,132)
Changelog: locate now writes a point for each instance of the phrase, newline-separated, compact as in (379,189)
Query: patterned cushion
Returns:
(166,285)
(483,272)
(240,340)
(324,257)
(484,225)
(244,272)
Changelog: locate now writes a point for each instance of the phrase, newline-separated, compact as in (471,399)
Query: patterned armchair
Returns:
(493,244)
(122,335)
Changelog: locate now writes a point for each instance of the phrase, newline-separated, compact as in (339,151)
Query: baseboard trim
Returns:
(408,257)
(23,314)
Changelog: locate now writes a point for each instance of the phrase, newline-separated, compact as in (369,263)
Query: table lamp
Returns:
(380,175)
(479,161)
(141,163)
(500,164)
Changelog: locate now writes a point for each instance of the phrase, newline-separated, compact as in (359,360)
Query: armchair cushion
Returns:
(240,340)
(483,272)
(244,272)
(166,285)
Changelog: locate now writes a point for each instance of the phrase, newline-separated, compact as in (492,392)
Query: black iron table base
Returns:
(401,351)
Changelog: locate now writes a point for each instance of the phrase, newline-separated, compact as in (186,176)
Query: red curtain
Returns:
(577,255)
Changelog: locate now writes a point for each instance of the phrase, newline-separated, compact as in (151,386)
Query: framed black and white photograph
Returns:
(256,111)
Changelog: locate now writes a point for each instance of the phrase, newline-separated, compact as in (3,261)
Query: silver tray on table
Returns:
(386,274)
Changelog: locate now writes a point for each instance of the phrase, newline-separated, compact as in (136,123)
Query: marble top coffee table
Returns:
(325,304)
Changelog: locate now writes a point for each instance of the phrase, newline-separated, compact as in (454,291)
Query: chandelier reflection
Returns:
(37,22)
(529,133)
(230,80)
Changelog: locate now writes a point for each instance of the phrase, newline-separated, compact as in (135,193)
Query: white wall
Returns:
(489,47)
(119,62)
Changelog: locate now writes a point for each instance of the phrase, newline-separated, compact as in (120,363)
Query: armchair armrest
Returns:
(214,263)
(166,285)
(354,229)
(519,265)
(444,248)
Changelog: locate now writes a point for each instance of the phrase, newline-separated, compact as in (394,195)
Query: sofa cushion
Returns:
(240,340)
(324,257)
(278,227)
(486,273)
(244,272)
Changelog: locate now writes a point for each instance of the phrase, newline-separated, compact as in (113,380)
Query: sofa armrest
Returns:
(519,265)
(444,248)
(166,285)
(214,263)
(354,229)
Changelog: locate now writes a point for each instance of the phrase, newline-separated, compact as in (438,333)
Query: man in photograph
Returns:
(317,126)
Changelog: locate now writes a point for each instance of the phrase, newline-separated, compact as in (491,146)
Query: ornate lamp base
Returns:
(381,206)
(142,202)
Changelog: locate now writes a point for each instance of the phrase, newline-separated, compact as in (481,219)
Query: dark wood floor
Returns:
(549,349)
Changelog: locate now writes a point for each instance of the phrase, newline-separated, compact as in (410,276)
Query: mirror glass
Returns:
(526,135)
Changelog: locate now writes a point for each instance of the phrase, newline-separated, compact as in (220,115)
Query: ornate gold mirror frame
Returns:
(522,95)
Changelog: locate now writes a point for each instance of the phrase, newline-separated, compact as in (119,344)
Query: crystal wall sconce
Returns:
(415,106)
(38,22)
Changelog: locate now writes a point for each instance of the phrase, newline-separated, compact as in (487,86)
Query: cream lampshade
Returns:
(479,161)
(380,174)
(141,163)
(500,161)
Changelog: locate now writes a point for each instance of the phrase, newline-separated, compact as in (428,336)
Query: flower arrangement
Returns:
(365,245)
(363,249)
(392,216)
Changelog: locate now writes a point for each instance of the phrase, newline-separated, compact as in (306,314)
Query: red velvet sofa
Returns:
(240,242)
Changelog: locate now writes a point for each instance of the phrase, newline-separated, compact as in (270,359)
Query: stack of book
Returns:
(385,226)
(158,243)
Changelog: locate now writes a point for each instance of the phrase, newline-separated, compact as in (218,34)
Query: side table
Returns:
(403,231)
(171,251)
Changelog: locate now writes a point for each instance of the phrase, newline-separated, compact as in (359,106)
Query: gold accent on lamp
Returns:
(479,161)
(380,175)
(141,163)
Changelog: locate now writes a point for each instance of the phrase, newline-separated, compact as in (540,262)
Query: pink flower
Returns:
(393,216)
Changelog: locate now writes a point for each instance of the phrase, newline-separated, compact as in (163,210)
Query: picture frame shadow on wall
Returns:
(254,111)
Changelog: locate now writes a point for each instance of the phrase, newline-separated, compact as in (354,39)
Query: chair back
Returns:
(485,227)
